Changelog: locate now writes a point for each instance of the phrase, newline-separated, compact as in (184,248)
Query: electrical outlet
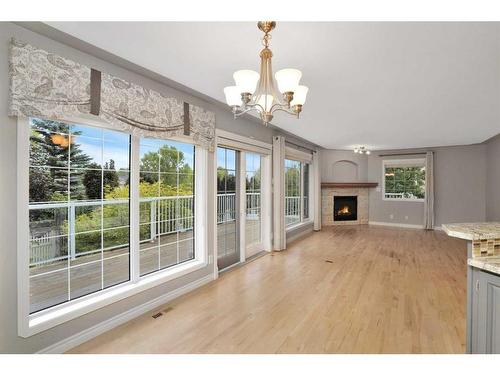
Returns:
(406,217)
(391,216)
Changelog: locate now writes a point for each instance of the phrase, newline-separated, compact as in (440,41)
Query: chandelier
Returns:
(258,92)
(361,150)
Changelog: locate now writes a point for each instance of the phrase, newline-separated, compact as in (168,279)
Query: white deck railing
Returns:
(166,215)
(294,211)
(394,195)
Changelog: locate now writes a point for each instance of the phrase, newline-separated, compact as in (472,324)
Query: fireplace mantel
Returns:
(349,184)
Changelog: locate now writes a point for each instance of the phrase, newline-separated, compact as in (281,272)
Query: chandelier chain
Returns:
(266,38)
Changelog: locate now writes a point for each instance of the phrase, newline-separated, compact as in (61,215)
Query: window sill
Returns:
(299,225)
(403,200)
(52,317)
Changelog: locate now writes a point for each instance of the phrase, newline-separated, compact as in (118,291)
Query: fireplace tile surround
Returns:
(327,206)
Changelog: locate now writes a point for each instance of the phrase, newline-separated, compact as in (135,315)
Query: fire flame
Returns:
(344,210)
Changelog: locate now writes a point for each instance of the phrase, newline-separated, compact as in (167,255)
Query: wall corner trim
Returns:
(89,333)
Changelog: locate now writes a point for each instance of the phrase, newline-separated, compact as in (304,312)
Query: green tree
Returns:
(168,160)
(92,181)
(51,145)
(292,180)
(226,182)
(175,171)
(110,176)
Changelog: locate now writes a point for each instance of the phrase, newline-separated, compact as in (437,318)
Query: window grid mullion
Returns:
(134,209)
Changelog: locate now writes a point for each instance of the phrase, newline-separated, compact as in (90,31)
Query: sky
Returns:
(102,145)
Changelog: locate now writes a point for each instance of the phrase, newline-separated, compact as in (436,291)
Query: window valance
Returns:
(43,84)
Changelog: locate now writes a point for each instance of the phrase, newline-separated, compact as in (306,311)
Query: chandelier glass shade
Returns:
(265,93)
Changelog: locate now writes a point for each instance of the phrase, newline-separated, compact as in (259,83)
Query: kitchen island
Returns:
(483,283)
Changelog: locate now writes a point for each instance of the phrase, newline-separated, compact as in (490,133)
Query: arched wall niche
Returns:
(344,171)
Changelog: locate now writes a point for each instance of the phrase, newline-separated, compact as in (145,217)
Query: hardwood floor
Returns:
(346,289)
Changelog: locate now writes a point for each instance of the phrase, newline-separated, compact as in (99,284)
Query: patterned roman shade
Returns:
(46,85)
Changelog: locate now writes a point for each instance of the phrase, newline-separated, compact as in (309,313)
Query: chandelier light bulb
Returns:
(266,101)
(246,80)
(288,79)
(233,95)
(299,95)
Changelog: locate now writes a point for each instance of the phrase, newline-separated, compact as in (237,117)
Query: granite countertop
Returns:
(491,264)
(473,231)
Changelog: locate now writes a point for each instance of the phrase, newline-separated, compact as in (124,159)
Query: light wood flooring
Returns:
(345,289)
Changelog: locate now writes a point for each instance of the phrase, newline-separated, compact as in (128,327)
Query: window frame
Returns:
(418,162)
(303,220)
(30,324)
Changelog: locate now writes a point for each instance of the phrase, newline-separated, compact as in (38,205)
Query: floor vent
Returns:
(157,315)
(329,261)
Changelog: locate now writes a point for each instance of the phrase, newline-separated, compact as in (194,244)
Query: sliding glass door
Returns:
(239,206)
(253,204)
(228,245)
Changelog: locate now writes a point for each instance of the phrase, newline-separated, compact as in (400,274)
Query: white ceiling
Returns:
(383,85)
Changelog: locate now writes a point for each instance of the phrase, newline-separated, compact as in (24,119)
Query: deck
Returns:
(67,279)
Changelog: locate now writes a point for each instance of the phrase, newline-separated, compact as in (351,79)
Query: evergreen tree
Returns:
(52,146)
(92,181)
(110,178)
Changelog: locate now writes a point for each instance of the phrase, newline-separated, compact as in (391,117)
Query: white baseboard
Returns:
(88,334)
(299,234)
(399,225)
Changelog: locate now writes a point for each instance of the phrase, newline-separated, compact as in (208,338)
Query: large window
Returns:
(166,192)
(78,211)
(296,192)
(404,179)
(90,227)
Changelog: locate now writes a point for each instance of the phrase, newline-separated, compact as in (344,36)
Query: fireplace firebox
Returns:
(345,208)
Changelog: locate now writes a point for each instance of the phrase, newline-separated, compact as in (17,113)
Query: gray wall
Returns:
(459,188)
(9,340)
(460,183)
(493,179)
(343,166)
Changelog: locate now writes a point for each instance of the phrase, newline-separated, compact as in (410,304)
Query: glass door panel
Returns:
(253,218)
(228,248)
(292,192)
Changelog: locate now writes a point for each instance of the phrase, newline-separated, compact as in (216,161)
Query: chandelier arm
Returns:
(239,112)
(258,105)
(278,106)
(287,110)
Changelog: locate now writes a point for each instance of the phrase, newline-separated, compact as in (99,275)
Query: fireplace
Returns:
(345,208)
